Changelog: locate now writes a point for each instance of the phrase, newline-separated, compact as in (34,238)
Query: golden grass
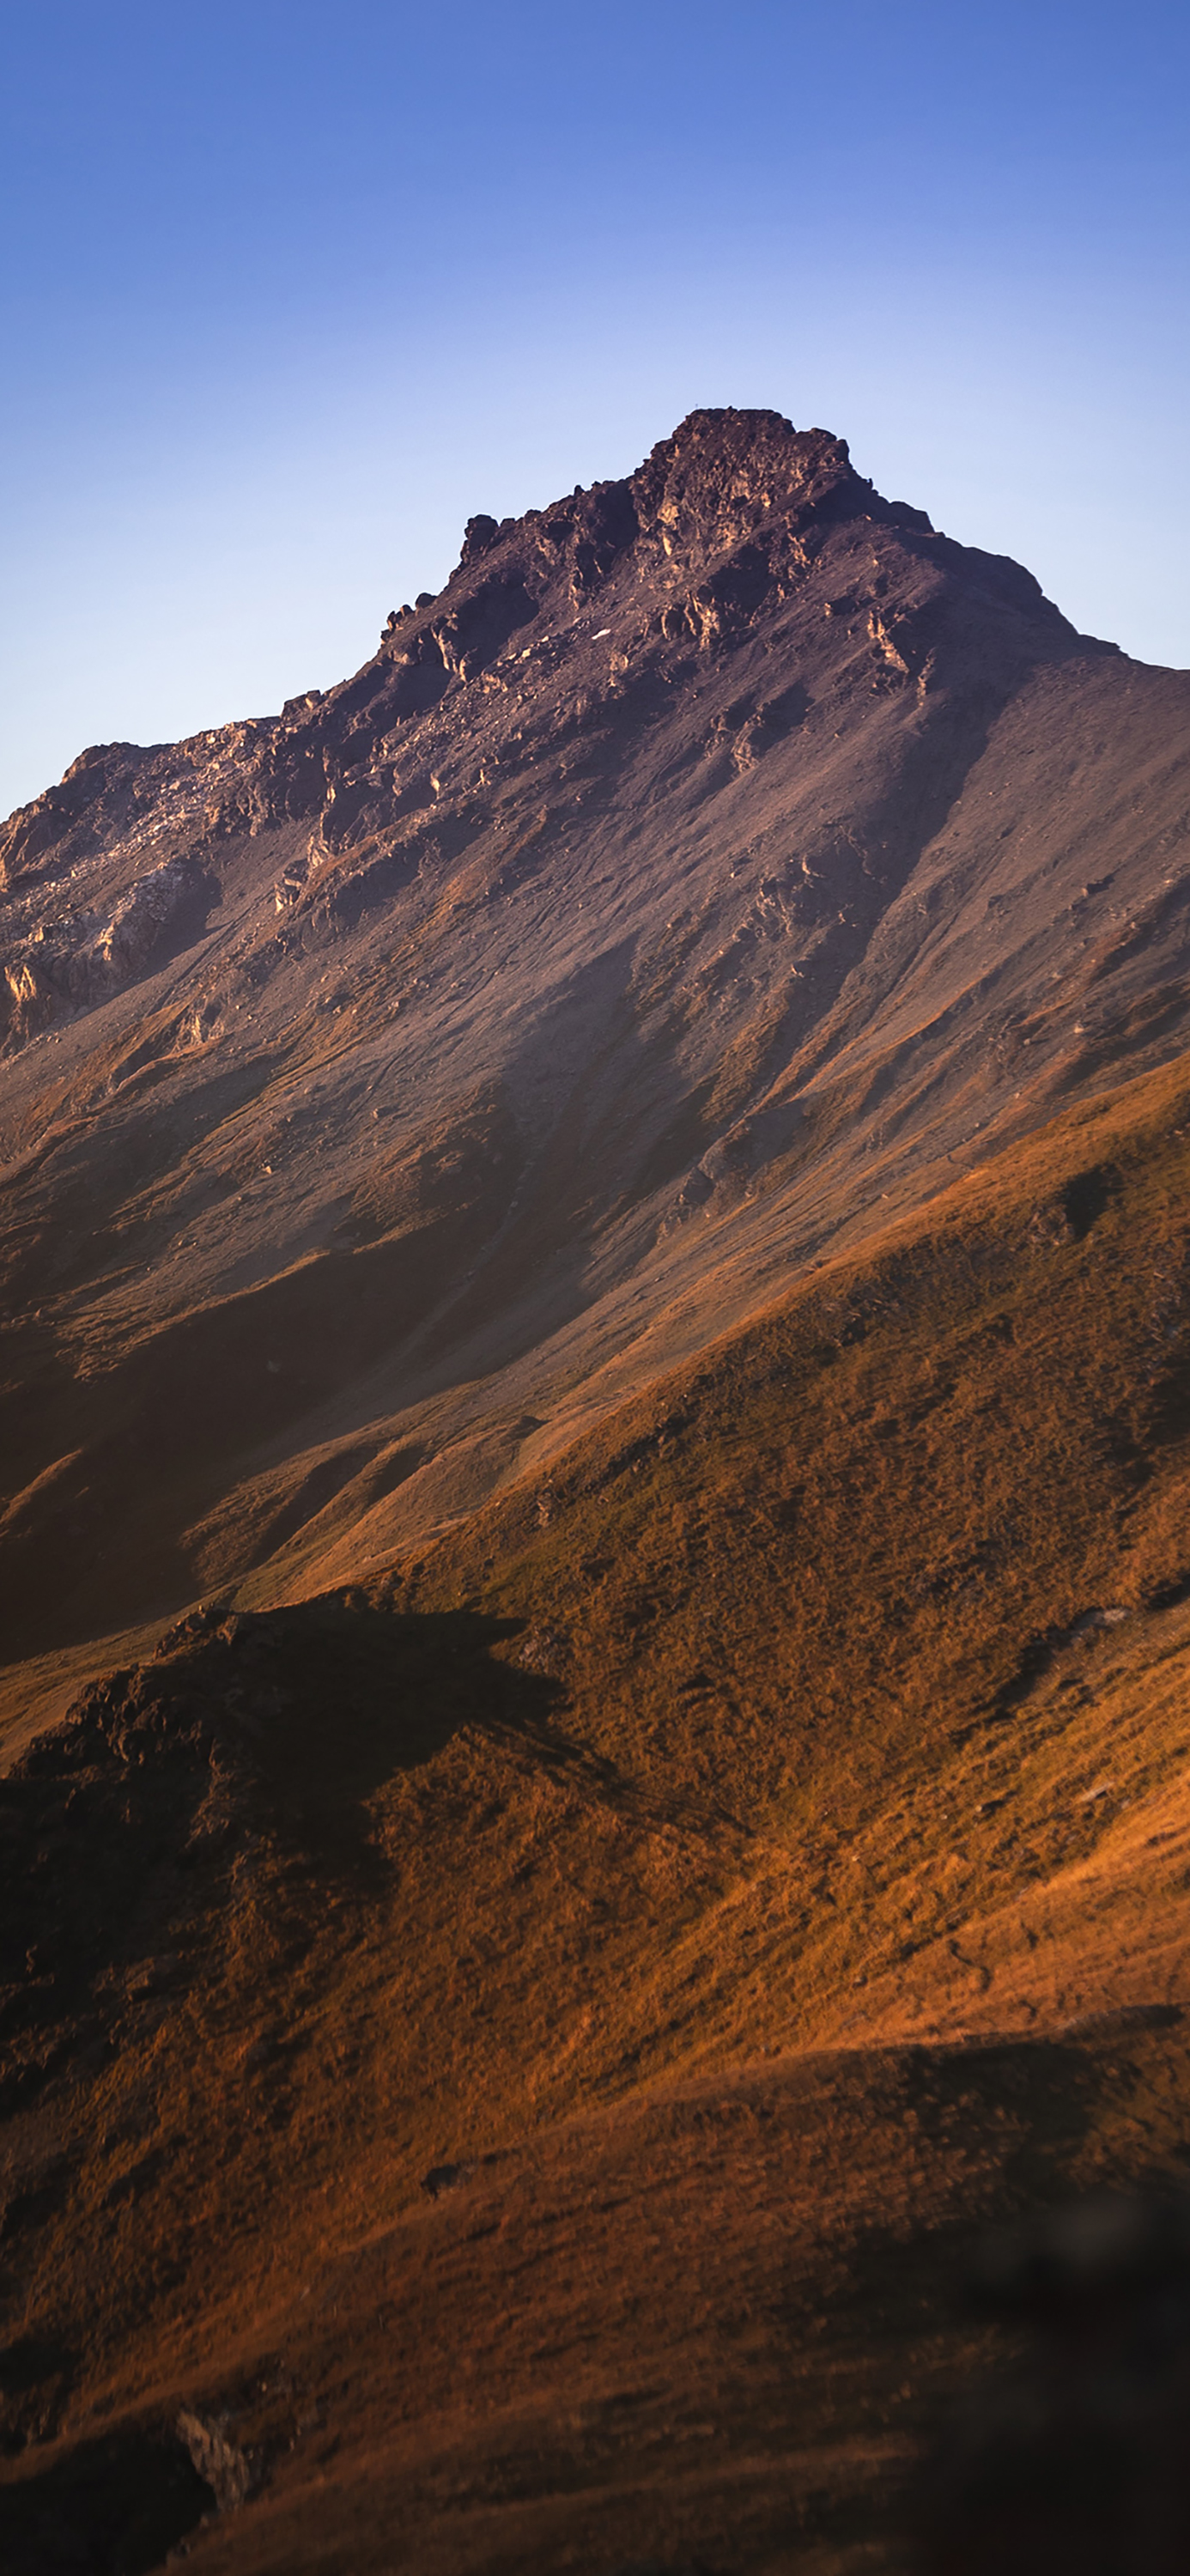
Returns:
(766,1721)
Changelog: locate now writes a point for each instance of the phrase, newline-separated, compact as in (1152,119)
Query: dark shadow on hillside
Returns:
(116,2507)
(332,1700)
(253,1744)
(1017,2111)
(1087,1197)
(1076,2457)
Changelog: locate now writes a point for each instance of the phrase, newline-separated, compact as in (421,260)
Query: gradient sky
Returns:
(289,291)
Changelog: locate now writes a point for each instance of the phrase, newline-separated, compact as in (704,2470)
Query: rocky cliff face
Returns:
(391,1082)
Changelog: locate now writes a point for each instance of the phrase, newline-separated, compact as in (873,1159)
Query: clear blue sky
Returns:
(290,290)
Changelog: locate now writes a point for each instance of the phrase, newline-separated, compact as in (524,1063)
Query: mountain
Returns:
(722,860)
(595,1412)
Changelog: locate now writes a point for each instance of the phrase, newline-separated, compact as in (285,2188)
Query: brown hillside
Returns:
(798,1713)
(596,1423)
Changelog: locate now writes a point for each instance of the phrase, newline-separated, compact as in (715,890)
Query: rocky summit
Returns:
(595,1406)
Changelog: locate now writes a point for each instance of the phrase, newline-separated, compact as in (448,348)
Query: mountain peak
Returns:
(723,473)
(715,444)
(721,478)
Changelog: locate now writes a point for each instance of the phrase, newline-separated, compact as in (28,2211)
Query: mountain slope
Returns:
(613,1194)
(609,1815)
(716,860)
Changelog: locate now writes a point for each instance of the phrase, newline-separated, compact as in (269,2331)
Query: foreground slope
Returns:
(720,863)
(537,2029)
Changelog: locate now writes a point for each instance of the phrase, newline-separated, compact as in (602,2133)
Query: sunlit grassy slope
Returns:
(833,1697)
